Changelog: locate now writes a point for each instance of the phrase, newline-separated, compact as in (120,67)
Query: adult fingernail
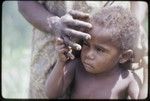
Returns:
(88,37)
(90,25)
(87,15)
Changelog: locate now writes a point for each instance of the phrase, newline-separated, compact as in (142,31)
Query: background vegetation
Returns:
(16,43)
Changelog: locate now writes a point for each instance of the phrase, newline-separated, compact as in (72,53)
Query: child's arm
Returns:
(134,86)
(62,74)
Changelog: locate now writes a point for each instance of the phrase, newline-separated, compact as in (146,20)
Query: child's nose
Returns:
(90,54)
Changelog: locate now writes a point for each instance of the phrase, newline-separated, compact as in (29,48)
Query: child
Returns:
(103,70)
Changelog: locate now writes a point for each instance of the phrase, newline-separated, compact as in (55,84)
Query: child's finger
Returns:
(59,41)
(72,44)
(63,50)
(70,55)
(63,54)
(58,47)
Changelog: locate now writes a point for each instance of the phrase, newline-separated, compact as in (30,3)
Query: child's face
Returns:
(99,54)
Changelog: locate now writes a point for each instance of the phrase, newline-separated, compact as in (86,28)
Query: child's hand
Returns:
(61,49)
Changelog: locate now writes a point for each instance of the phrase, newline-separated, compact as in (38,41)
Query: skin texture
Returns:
(99,52)
(96,75)
(112,84)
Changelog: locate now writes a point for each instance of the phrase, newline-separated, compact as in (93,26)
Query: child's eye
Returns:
(98,49)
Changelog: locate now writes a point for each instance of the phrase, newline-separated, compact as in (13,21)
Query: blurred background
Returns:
(16,43)
(16,51)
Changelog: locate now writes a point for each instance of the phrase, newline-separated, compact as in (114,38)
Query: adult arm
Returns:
(35,13)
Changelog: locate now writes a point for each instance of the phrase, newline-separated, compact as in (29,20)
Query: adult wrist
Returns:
(52,21)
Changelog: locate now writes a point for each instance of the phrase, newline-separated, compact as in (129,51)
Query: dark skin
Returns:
(39,20)
(97,74)
(47,22)
(108,85)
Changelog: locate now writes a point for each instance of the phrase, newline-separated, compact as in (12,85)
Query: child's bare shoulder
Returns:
(131,76)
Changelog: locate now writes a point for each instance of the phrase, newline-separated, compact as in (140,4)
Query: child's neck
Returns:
(110,72)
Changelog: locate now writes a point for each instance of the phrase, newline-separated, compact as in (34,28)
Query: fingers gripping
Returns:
(71,44)
(65,49)
(69,54)
(59,41)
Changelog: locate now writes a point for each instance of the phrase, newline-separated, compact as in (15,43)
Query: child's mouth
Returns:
(86,65)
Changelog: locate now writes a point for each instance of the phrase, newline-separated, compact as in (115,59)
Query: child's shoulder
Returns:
(132,76)
(130,73)
(127,73)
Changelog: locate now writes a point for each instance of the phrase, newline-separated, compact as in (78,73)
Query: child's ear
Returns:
(125,56)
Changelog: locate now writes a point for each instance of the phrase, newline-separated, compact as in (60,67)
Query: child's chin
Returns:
(92,71)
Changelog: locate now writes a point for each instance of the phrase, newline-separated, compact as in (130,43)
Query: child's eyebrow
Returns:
(102,47)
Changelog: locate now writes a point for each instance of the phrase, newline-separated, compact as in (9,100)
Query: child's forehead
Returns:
(104,35)
(102,31)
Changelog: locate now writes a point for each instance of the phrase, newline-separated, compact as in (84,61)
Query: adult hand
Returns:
(69,26)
